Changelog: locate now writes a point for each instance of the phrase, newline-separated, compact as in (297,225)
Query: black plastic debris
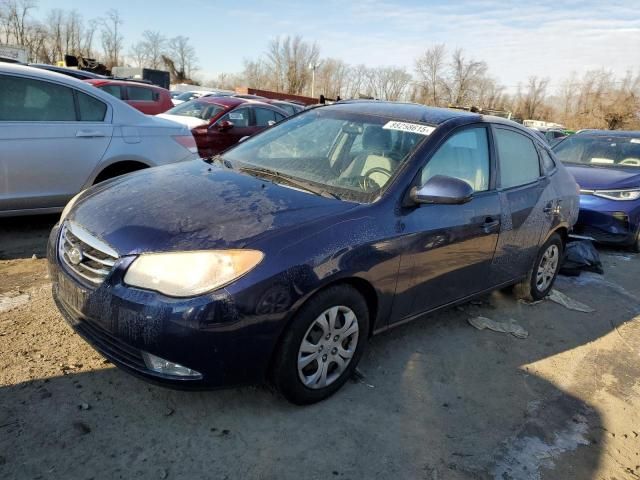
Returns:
(580,256)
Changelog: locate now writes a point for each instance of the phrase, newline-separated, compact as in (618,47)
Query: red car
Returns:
(147,98)
(220,122)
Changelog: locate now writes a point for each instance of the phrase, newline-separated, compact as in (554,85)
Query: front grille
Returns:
(84,254)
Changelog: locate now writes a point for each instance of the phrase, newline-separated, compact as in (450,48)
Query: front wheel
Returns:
(322,346)
(540,279)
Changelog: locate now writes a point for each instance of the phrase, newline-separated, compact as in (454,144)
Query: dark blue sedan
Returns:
(606,165)
(279,258)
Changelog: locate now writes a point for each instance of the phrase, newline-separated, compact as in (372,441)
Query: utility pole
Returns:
(313,67)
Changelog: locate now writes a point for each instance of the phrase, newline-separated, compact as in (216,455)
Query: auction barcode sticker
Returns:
(409,127)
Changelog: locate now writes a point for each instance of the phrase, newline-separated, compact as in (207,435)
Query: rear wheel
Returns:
(322,346)
(541,277)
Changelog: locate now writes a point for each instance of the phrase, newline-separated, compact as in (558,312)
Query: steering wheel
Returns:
(381,170)
(634,162)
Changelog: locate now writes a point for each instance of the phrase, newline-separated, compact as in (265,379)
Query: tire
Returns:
(328,355)
(542,276)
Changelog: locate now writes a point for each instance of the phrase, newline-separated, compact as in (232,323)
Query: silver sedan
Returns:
(59,135)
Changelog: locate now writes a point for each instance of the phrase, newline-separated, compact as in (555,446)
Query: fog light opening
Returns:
(165,367)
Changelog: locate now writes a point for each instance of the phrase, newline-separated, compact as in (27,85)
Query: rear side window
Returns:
(114,90)
(91,109)
(264,116)
(518,157)
(465,155)
(141,94)
(28,100)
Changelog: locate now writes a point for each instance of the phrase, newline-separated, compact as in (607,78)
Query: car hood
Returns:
(602,178)
(193,206)
(190,122)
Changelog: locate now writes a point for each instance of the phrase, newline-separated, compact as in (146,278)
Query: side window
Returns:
(547,162)
(239,117)
(264,116)
(28,100)
(465,155)
(518,157)
(91,109)
(114,90)
(140,94)
(279,117)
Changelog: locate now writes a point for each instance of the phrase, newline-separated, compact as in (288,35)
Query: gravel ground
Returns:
(438,398)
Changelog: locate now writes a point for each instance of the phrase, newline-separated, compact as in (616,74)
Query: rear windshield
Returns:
(202,110)
(600,151)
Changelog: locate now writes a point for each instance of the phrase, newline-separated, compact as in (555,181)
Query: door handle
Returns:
(89,133)
(548,208)
(490,224)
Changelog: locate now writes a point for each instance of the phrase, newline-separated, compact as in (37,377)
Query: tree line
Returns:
(439,77)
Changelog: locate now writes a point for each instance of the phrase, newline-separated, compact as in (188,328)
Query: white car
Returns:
(59,135)
(191,94)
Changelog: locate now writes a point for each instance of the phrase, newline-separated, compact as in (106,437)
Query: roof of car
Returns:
(611,133)
(411,112)
(112,81)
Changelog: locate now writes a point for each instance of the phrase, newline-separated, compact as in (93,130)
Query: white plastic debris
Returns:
(504,327)
(568,302)
(11,300)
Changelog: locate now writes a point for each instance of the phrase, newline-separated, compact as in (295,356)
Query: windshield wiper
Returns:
(294,182)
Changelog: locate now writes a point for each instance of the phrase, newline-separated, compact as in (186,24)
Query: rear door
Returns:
(448,249)
(527,198)
(51,139)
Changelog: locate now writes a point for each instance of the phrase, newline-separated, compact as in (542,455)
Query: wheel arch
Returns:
(118,167)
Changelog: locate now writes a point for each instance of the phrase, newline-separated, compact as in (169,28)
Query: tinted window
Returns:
(114,90)
(239,117)
(202,110)
(287,108)
(140,94)
(279,117)
(519,162)
(465,156)
(24,99)
(264,116)
(91,109)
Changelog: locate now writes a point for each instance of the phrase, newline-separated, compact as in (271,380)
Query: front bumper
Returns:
(218,334)
(608,221)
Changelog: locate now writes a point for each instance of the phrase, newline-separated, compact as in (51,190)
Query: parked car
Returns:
(220,122)
(606,165)
(72,72)
(290,108)
(279,258)
(147,98)
(182,97)
(59,135)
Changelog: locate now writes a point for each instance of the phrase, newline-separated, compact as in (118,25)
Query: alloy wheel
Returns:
(547,267)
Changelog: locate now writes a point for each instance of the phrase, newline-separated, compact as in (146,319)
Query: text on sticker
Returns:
(409,127)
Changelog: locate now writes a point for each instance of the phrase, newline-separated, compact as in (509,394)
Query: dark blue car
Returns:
(606,165)
(280,258)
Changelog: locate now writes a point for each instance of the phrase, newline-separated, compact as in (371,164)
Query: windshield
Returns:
(600,151)
(349,156)
(186,96)
(202,110)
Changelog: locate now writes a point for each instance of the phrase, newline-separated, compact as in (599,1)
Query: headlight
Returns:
(632,194)
(69,206)
(186,274)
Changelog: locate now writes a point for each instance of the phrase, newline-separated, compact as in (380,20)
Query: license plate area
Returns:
(72,294)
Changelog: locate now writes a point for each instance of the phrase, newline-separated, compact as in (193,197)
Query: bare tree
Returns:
(464,77)
(535,96)
(388,83)
(256,75)
(288,60)
(111,37)
(148,52)
(183,55)
(430,68)
(14,17)
(331,78)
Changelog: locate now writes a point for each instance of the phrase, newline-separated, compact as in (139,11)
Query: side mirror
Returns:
(271,122)
(443,190)
(225,125)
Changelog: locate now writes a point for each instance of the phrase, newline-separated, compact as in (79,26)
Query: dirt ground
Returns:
(439,399)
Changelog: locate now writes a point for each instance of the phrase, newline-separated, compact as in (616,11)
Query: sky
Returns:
(516,39)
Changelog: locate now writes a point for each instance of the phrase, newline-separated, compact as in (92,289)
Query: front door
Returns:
(243,125)
(448,249)
(51,139)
